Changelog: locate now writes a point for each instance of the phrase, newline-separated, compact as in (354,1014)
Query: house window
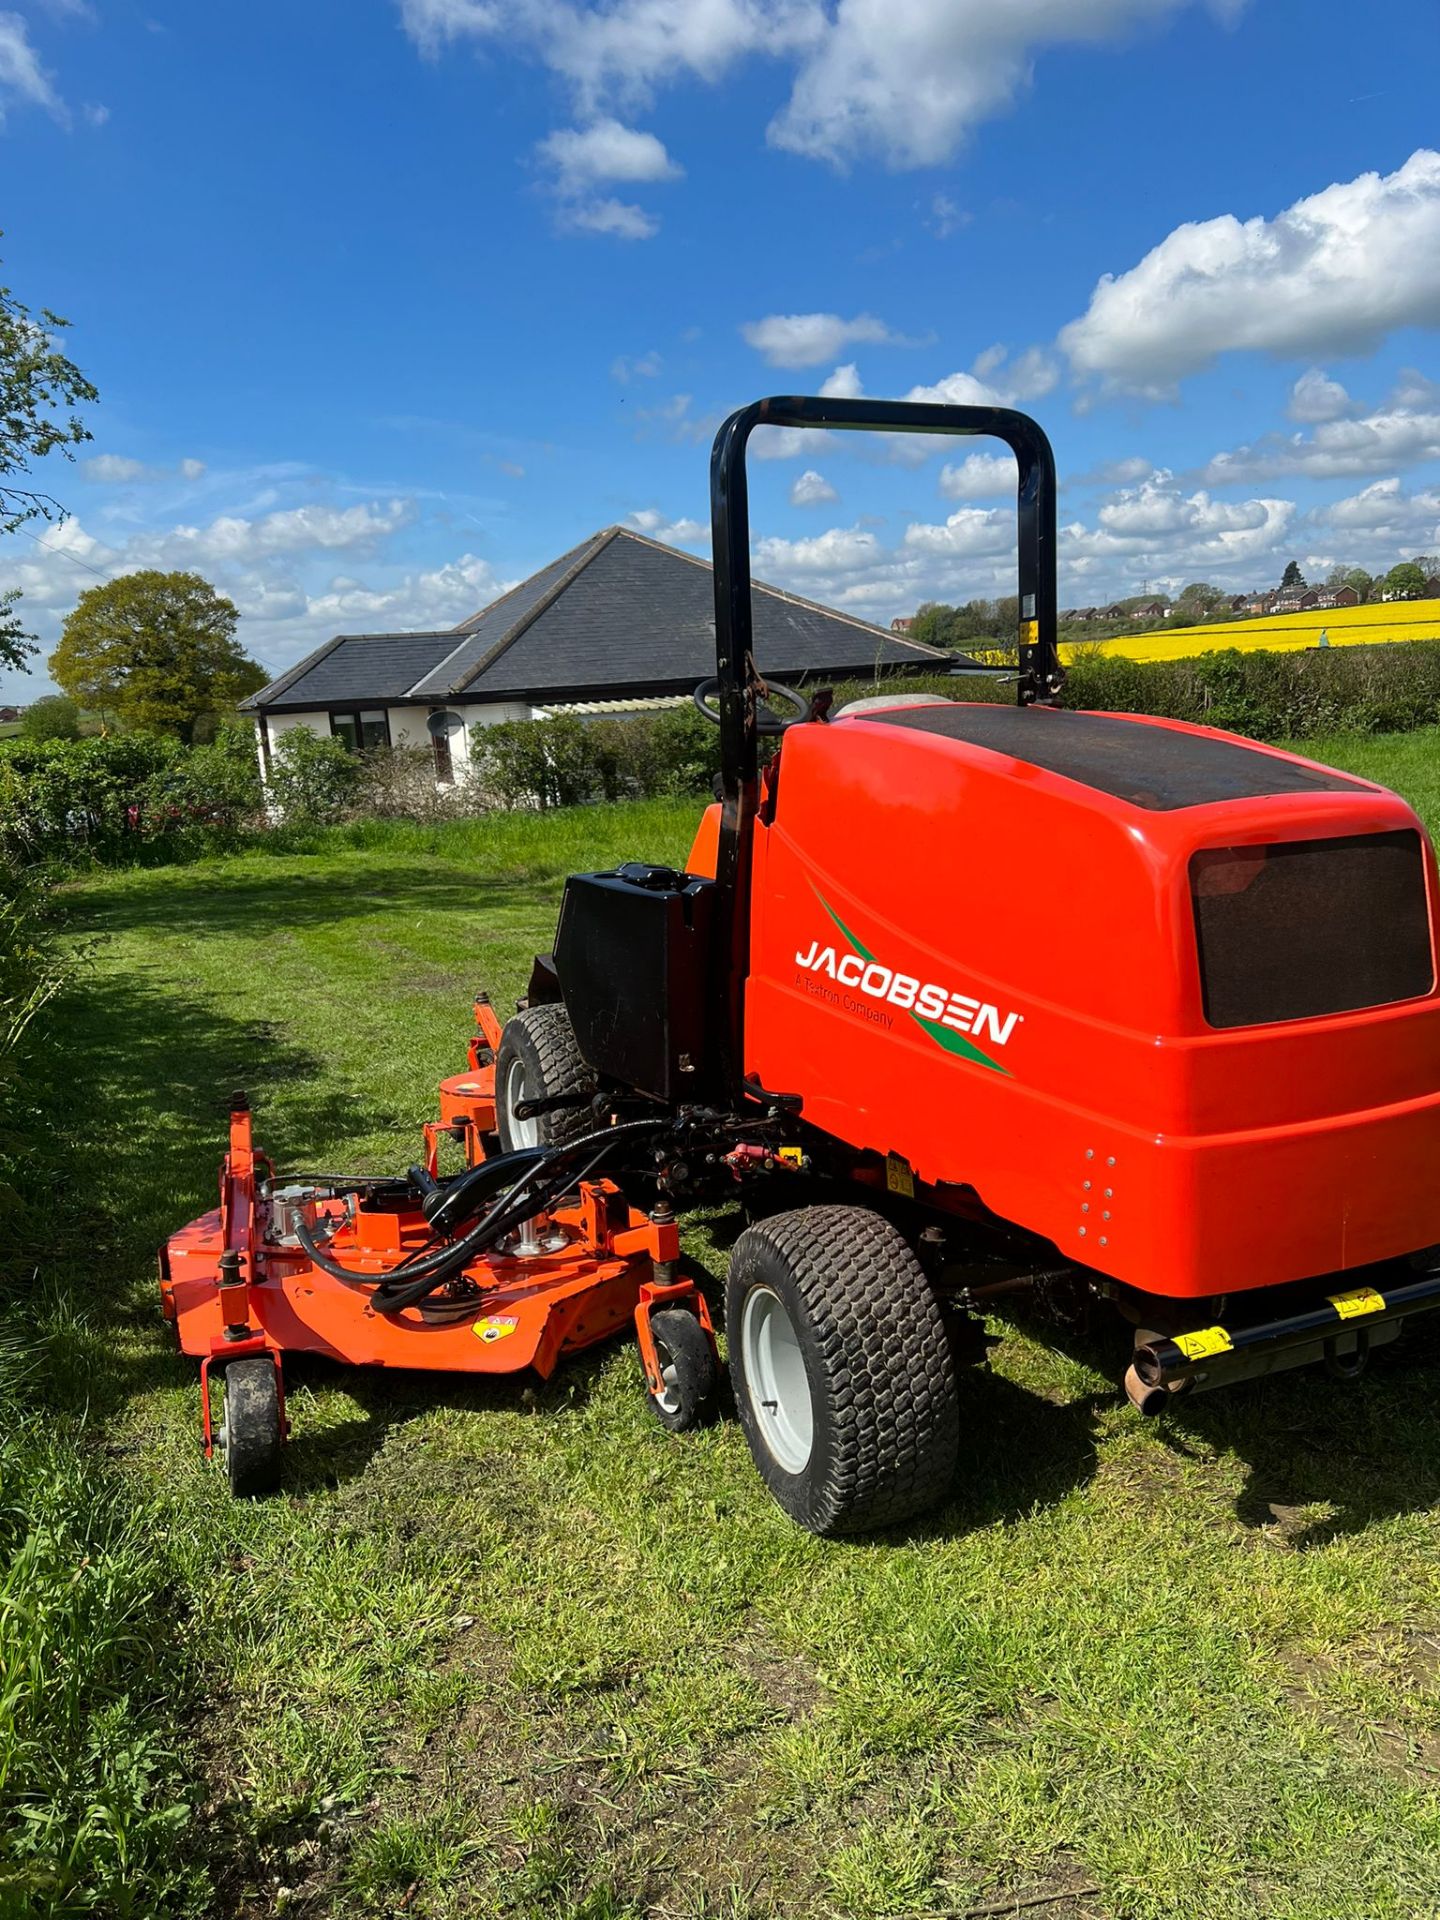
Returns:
(362,729)
(446,731)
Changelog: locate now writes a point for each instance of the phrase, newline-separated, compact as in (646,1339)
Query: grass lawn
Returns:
(503,1649)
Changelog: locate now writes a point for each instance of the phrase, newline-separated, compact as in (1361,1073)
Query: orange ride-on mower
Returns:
(962,1001)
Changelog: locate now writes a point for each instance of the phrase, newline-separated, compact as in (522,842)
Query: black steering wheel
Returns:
(765,721)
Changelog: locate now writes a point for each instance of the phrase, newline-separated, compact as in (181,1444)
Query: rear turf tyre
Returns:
(842,1370)
(536,1060)
(687,1370)
(252,1436)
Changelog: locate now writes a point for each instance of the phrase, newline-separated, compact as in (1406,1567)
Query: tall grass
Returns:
(89,1802)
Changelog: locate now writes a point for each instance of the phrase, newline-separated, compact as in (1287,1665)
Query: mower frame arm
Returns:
(1040,675)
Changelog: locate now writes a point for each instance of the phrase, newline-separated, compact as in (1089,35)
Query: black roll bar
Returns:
(1040,674)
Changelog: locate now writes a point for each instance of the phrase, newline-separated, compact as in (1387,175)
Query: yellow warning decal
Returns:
(495,1327)
(791,1156)
(1359,1300)
(1201,1345)
(1029,633)
(898,1177)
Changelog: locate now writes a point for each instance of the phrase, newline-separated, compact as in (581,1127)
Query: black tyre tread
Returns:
(681,1333)
(552,1048)
(890,1384)
(252,1427)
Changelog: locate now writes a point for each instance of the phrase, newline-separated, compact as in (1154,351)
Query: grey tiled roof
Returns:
(619,611)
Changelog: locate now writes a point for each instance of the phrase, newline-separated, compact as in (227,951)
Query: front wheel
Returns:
(688,1374)
(538,1059)
(842,1369)
(253,1433)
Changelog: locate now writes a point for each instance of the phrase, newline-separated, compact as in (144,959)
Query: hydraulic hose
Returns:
(548,1173)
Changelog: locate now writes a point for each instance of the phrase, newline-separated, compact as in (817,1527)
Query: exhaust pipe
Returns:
(1146,1400)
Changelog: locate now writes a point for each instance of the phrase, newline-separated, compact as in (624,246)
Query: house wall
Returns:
(409,725)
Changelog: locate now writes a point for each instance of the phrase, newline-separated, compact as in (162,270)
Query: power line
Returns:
(64,553)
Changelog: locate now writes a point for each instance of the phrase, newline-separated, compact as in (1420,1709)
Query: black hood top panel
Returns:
(1156,767)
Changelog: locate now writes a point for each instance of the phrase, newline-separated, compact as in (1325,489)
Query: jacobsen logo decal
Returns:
(954,1020)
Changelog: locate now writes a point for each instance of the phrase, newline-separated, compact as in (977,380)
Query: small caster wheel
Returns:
(687,1370)
(251,1436)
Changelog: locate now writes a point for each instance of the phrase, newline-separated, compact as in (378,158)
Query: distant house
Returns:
(1151,610)
(1255,603)
(1329,597)
(1432,588)
(8,714)
(617,623)
(1116,612)
(902,623)
(1292,600)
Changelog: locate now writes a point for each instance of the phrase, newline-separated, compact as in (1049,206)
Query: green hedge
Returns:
(138,796)
(112,796)
(1273,696)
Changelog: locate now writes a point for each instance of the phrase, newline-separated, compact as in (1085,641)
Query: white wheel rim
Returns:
(776,1382)
(668,1398)
(523,1133)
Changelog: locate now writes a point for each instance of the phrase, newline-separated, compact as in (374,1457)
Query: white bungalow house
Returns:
(618,622)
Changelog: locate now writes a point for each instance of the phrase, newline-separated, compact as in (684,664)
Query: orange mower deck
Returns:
(234,1289)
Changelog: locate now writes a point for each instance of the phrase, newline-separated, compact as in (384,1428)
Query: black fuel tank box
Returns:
(632,953)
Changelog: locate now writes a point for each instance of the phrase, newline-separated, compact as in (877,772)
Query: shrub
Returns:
(56,717)
(110,796)
(312,780)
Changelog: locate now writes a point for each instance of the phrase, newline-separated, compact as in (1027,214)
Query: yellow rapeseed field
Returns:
(1276,632)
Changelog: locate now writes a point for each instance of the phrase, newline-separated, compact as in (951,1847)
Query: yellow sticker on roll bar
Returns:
(1359,1300)
(1201,1345)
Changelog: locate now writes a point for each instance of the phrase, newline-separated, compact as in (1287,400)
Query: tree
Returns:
(39,390)
(1292,576)
(1359,579)
(16,645)
(1202,596)
(1404,581)
(156,649)
(53,718)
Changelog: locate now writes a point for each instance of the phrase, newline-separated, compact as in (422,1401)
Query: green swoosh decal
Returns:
(947,1037)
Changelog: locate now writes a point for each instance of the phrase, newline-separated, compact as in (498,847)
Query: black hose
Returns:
(548,1175)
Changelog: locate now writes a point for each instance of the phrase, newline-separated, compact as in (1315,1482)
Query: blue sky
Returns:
(390,301)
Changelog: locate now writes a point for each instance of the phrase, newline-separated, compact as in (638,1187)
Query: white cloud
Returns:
(234,538)
(643,366)
(838,550)
(843,384)
(606,150)
(23,80)
(969,531)
(118,469)
(906,80)
(1315,397)
(979,476)
(808,339)
(1384,509)
(674,533)
(113,469)
(811,489)
(1393,437)
(1334,273)
(434,599)
(604,153)
(1156,526)
(946,216)
(620,219)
